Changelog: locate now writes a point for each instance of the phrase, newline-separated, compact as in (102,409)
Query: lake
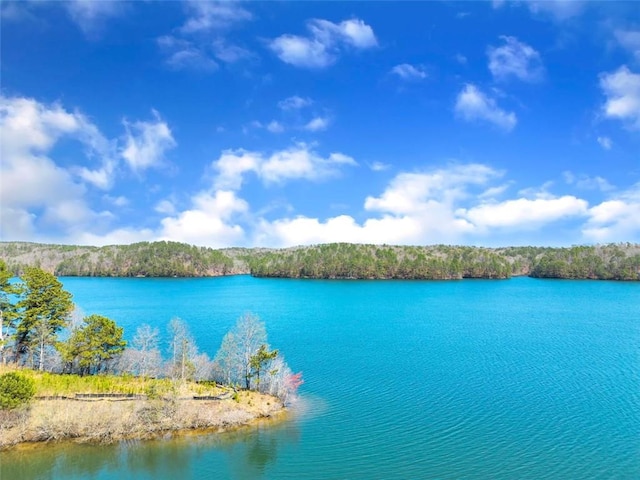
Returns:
(471,379)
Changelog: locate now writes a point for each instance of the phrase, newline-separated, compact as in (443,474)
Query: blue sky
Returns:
(278,124)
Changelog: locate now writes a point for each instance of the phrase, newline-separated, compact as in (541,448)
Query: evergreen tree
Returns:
(93,344)
(44,309)
(8,312)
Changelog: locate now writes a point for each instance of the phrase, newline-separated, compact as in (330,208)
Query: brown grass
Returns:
(106,421)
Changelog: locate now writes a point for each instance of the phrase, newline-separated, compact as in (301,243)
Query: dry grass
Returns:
(169,407)
(105,421)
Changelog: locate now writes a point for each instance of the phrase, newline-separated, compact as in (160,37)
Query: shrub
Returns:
(15,390)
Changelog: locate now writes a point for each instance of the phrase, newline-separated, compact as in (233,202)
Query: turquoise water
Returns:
(473,379)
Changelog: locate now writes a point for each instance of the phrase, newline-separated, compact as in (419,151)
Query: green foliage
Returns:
(8,311)
(15,390)
(45,308)
(260,360)
(91,345)
(145,259)
(347,261)
(338,260)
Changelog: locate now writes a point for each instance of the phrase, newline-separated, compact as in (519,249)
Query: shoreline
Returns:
(108,421)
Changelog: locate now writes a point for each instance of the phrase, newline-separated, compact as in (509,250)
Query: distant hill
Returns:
(331,261)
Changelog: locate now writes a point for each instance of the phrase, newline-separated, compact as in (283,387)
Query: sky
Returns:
(274,124)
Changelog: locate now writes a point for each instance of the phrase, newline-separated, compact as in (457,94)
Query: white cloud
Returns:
(474,105)
(413,192)
(605,142)
(213,15)
(146,143)
(616,219)
(493,192)
(90,15)
(415,208)
(119,201)
(201,39)
(275,127)
(294,103)
(317,124)
(343,228)
(301,162)
(302,52)
(327,40)
(120,236)
(229,53)
(440,206)
(31,181)
(524,213)
(210,221)
(629,39)
(232,166)
(558,9)
(379,166)
(585,182)
(622,89)
(183,54)
(407,71)
(297,162)
(515,59)
(166,207)
(461,59)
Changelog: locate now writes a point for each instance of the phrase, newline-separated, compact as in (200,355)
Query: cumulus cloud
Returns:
(524,213)
(409,72)
(39,194)
(414,208)
(473,105)
(451,204)
(325,42)
(616,218)
(209,222)
(146,143)
(622,90)
(302,52)
(317,124)
(35,190)
(515,59)
(297,162)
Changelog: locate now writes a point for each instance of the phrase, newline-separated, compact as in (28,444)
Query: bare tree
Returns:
(146,342)
(183,350)
(233,360)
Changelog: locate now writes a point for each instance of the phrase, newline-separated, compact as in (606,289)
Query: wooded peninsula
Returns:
(67,377)
(329,261)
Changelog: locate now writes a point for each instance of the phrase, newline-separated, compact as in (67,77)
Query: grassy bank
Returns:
(165,406)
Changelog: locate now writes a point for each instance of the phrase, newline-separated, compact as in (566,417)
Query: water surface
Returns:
(473,379)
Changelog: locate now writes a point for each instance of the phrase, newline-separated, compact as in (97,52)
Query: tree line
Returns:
(444,262)
(337,260)
(40,329)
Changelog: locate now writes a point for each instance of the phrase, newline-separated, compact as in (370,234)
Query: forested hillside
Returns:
(337,260)
(156,259)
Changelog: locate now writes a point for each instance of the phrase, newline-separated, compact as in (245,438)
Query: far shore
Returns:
(104,421)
